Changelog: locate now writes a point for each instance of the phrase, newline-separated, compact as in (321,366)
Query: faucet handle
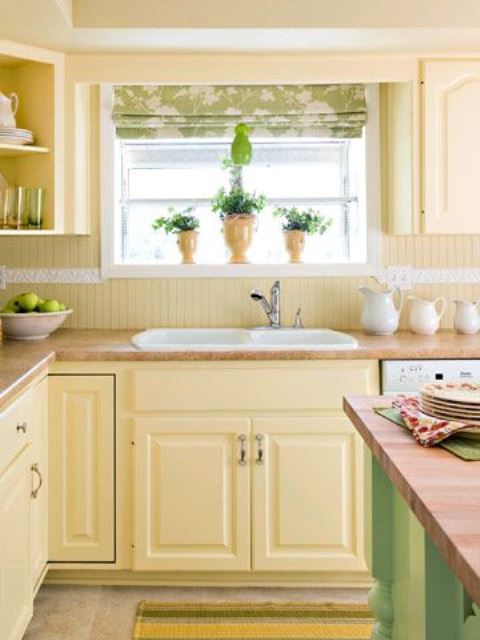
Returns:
(297,323)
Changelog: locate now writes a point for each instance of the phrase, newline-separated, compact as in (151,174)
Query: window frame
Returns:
(109,228)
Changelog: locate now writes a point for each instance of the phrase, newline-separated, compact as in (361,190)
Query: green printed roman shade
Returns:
(153,111)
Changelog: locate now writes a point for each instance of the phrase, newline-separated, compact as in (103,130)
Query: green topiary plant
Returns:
(308,220)
(177,221)
(236,202)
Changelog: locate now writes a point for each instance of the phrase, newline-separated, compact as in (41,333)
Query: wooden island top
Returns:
(442,490)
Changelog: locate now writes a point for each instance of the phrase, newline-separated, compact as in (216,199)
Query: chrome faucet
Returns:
(272,308)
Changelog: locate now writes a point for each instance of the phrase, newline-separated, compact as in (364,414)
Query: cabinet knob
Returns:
(22,427)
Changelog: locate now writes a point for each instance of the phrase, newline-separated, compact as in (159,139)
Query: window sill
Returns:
(237,271)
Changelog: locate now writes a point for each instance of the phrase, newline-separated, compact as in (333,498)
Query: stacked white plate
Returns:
(453,401)
(12,135)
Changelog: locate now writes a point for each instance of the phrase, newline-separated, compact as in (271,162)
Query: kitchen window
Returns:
(146,172)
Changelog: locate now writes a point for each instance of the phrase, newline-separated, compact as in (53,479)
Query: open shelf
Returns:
(36,76)
(17,150)
(29,232)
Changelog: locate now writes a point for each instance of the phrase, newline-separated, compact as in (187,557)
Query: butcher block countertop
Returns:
(20,362)
(442,490)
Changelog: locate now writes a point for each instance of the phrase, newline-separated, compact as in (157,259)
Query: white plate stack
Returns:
(13,135)
(453,401)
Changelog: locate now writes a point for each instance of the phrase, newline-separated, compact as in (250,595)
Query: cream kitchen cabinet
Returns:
(192,503)
(308,509)
(451,141)
(16,601)
(278,426)
(16,597)
(193,498)
(82,468)
(192,494)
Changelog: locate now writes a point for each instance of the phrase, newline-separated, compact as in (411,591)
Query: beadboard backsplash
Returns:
(330,301)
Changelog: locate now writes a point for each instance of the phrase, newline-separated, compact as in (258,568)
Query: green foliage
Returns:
(237,201)
(308,220)
(177,221)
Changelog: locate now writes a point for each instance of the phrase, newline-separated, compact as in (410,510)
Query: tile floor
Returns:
(107,613)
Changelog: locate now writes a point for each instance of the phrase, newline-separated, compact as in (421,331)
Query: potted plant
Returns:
(238,209)
(185,225)
(296,225)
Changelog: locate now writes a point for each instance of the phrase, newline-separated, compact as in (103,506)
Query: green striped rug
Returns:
(242,621)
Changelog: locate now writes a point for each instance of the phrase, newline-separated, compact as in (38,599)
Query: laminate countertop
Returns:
(20,362)
(442,490)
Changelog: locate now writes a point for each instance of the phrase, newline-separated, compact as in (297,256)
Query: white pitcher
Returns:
(424,316)
(8,109)
(466,318)
(381,312)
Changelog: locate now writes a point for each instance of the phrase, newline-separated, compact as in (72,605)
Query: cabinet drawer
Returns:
(259,388)
(15,428)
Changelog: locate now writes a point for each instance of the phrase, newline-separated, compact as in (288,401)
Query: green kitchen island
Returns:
(425,536)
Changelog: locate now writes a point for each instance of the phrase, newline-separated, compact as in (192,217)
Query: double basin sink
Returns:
(242,339)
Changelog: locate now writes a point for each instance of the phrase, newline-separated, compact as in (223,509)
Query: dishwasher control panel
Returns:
(406,375)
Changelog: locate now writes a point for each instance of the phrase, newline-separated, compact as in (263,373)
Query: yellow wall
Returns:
(218,302)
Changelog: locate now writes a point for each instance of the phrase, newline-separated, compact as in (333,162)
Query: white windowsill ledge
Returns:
(237,271)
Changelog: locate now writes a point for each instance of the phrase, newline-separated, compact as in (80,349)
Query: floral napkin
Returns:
(426,429)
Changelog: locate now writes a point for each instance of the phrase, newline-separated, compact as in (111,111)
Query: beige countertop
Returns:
(442,490)
(21,361)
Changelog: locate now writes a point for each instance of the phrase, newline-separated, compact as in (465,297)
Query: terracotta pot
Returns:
(238,230)
(295,244)
(187,243)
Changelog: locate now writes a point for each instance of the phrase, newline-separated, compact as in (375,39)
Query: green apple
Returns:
(49,306)
(13,306)
(9,308)
(62,306)
(27,301)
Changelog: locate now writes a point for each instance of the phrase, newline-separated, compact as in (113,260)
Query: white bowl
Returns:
(32,326)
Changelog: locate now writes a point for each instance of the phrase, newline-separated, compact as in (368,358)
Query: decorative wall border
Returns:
(54,276)
(402,276)
(405,277)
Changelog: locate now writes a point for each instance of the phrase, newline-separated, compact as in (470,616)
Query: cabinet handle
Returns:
(36,470)
(22,426)
(243,449)
(260,451)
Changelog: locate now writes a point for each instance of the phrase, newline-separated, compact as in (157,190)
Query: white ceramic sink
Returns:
(302,339)
(242,339)
(186,339)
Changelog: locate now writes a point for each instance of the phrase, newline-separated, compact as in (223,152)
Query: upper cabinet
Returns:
(451,158)
(36,76)
(431,151)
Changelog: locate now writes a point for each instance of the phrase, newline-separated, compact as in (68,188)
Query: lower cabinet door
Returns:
(192,494)
(15,569)
(81,468)
(39,535)
(308,498)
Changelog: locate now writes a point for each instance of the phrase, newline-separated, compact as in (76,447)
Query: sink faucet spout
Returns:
(272,308)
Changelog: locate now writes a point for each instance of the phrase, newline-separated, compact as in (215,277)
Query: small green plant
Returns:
(177,221)
(237,201)
(308,220)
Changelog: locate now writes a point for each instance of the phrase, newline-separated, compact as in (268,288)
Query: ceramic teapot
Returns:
(381,312)
(8,109)
(424,316)
(466,318)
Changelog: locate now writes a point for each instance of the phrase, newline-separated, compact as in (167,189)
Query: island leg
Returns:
(380,598)
(450,613)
